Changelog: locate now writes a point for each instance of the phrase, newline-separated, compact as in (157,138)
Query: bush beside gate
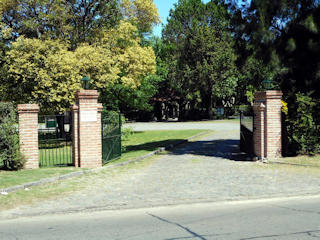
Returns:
(10,156)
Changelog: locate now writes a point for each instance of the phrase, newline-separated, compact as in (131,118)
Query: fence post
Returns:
(28,134)
(87,130)
(270,122)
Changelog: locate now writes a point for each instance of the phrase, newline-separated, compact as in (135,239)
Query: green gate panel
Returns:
(111,139)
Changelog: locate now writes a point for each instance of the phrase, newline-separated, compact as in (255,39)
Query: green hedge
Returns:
(303,125)
(10,156)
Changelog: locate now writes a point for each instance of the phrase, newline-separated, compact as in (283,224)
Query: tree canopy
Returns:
(203,52)
(50,44)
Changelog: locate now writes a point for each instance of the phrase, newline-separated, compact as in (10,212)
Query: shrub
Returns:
(10,155)
(111,116)
(126,133)
(303,125)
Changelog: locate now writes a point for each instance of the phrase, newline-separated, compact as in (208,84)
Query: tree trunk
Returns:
(61,132)
(209,106)
(182,112)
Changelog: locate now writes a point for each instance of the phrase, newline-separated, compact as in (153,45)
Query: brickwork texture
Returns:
(267,131)
(87,130)
(28,134)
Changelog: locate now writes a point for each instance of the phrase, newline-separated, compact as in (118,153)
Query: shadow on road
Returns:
(226,148)
(151,146)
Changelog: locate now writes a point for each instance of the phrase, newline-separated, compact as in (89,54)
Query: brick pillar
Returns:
(28,134)
(272,122)
(75,138)
(258,133)
(89,129)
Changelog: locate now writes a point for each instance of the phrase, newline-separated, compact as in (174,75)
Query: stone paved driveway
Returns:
(204,170)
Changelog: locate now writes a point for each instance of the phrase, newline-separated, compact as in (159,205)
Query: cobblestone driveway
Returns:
(204,170)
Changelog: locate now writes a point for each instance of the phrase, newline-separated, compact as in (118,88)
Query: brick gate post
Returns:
(28,134)
(87,152)
(271,122)
(258,133)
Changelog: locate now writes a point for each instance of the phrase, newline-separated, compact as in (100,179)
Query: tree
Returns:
(119,97)
(299,51)
(203,58)
(275,30)
(143,13)
(215,65)
(75,20)
(48,45)
(46,72)
(285,37)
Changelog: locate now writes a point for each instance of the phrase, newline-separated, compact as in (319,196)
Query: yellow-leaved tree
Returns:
(143,13)
(48,73)
(44,63)
(43,72)
(133,61)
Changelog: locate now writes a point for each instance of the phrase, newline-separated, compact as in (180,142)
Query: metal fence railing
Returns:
(55,142)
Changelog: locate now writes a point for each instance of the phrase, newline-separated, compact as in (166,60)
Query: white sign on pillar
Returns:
(88,116)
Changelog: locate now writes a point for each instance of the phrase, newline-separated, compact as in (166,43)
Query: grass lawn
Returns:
(12,178)
(235,120)
(141,143)
(302,160)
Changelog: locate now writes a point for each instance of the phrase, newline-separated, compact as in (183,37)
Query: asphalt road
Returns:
(286,218)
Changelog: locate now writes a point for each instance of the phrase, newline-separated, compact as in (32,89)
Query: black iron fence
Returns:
(55,141)
(246,131)
(111,138)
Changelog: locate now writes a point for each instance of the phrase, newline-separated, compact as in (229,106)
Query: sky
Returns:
(164,7)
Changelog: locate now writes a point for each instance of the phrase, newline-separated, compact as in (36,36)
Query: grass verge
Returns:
(313,161)
(287,169)
(13,178)
(60,189)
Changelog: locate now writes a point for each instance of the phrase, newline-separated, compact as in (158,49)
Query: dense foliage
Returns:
(203,57)
(303,125)
(285,36)
(49,45)
(10,156)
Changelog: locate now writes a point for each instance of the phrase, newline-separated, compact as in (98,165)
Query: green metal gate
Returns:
(111,138)
(55,140)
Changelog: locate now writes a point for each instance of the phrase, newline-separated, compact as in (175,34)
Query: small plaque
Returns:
(88,116)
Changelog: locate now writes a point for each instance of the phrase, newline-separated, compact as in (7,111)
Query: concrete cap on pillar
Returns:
(270,94)
(87,94)
(28,108)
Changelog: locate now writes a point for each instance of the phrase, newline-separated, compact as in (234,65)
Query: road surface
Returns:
(286,218)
